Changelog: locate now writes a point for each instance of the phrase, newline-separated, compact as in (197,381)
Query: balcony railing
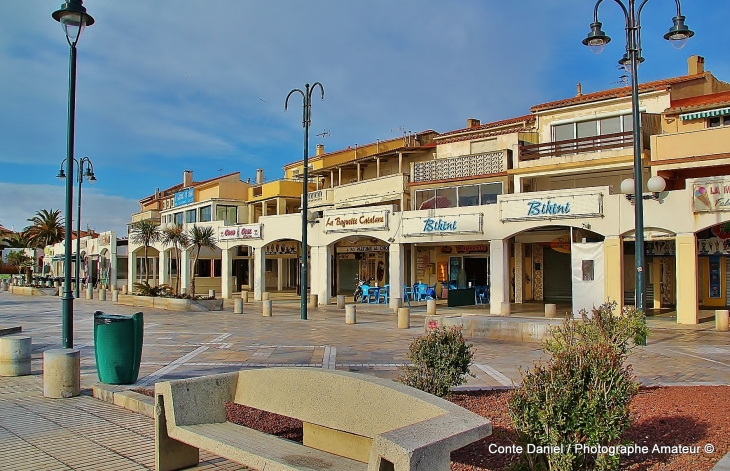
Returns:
(372,191)
(704,145)
(323,197)
(487,163)
(576,146)
(153,215)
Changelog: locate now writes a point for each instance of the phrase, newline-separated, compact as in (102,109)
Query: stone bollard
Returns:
(721,320)
(61,373)
(244,296)
(266,308)
(395,304)
(48,284)
(211,293)
(15,355)
(340,301)
(238,306)
(350,314)
(125,289)
(430,307)
(551,310)
(404,317)
(102,294)
(60,290)
(90,292)
(3,285)
(506,309)
(56,284)
(313,298)
(115,295)
(265,296)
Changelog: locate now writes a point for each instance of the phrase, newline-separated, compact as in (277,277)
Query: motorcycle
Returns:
(358,288)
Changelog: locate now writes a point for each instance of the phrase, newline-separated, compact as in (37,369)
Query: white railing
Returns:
(486,163)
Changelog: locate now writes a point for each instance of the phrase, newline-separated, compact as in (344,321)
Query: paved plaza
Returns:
(85,433)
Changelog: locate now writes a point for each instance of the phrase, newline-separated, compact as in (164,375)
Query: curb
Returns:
(723,464)
(125,398)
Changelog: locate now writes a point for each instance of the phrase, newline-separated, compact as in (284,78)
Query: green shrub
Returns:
(582,394)
(441,359)
(144,289)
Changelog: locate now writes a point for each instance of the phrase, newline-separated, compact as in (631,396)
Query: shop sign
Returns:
(363,248)
(433,324)
(560,244)
(239,232)
(105,238)
(714,245)
(442,225)
(183,197)
(478,248)
(282,248)
(532,206)
(711,196)
(347,221)
(659,248)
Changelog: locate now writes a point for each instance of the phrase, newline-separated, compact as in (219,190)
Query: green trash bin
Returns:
(118,347)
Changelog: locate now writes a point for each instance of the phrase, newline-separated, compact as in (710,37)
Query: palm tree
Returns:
(176,236)
(47,228)
(200,237)
(17,240)
(145,233)
(21,261)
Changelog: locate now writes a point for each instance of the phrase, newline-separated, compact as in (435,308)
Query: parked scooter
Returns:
(358,288)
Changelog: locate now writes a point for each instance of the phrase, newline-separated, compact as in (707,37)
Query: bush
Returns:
(441,360)
(144,289)
(582,394)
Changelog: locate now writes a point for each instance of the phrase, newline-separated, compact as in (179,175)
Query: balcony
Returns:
(693,148)
(320,198)
(576,146)
(283,188)
(475,165)
(372,191)
(152,215)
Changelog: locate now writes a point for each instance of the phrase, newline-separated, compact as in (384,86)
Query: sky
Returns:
(167,86)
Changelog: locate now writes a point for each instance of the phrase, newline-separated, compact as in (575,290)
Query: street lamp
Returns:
(73,17)
(597,40)
(306,121)
(80,175)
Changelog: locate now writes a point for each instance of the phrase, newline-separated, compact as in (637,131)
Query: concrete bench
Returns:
(352,422)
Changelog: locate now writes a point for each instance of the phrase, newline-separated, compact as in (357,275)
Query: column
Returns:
(518,184)
(280,274)
(400,162)
(281,205)
(687,298)
(499,274)
(377,167)
(113,271)
(339,176)
(131,271)
(614,276)
(258,273)
(163,262)
(332,178)
(184,270)
(414,257)
(251,214)
(519,272)
(263,208)
(656,280)
(321,276)
(396,269)
(358,171)
(226,269)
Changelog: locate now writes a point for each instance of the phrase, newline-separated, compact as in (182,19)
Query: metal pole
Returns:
(67,302)
(78,233)
(305,197)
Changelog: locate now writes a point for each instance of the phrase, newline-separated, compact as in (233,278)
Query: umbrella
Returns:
(437,202)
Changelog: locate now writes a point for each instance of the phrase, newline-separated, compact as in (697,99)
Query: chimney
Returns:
(157,193)
(472,122)
(695,65)
(187,178)
(579,92)
(259,176)
(320,149)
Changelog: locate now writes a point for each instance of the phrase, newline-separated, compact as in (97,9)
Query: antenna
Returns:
(323,134)
(220,171)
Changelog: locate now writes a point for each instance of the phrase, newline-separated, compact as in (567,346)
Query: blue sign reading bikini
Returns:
(538,208)
(185,196)
(438,225)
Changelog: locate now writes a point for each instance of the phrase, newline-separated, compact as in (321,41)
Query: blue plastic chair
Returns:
(407,294)
(480,294)
(384,294)
(365,294)
(420,291)
(433,288)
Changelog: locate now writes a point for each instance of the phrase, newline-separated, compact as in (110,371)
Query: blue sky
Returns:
(168,86)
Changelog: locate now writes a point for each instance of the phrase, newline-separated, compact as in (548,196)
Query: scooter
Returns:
(358,288)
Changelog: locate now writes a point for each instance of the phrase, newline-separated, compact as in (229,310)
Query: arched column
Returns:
(184,270)
(498,274)
(614,279)
(321,277)
(163,263)
(226,273)
(131,270)
(259,273)
(395,275)
(687,279)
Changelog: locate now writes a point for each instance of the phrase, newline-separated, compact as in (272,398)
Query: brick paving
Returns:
(85,433)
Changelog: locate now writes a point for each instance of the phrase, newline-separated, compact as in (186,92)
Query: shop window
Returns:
(217,264)
(205,214)
(202,268)
(226,213)
(469,195)
(446,198)
(179,218)
(269,264)
(490,191)
(190,215)
(242,251)
(172,267)
(718,121)
(422,196)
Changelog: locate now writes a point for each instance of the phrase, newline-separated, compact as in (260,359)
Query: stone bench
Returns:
(352,422)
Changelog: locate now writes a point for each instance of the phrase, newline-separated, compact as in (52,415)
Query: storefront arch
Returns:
(281,270)
(358,257)
(146,270)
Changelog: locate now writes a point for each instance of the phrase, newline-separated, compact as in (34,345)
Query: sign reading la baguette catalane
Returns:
(243,231)
(346,221)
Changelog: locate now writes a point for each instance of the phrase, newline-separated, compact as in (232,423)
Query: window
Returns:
(446,198)
(205,214)
(718,121)
(217,267)
(610,125)
(202,268)
(226,213)
(469,195)
(424,195)
(179,218)
(563,132)
(490,191)
(190,215)
(269,264)
(587,267)
(586,129)
(458,196)
(592,127)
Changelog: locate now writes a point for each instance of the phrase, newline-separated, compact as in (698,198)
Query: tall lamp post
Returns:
(306,121)
(678,35)
(80,175)
(73,17)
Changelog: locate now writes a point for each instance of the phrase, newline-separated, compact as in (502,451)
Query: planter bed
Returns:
(31,291)
(171,304)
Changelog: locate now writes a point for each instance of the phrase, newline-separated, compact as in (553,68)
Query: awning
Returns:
(57,258)
(705,114)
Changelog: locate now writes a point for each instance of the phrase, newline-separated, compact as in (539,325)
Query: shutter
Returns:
(347,275)
(557,283)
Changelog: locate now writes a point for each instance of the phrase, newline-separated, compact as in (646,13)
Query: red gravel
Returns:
(691,416)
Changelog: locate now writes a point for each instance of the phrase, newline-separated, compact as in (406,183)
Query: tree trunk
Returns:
(146,275)
(192,278)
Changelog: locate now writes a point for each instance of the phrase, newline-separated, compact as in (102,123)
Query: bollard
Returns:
(56,284)
(430,307)
(124,289)
(211,293)
(238,306)
(15,355)
(350,314)
(102,294)
(60,290)
(267,308)
(395,304)
(313,298)
(404,318)
(340,301)
(61,373)
(265,296)
(506,309)
(90,292)
(244,296)
(551,310)
(48,284)
(4,286)
(721,320)
(115,295)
